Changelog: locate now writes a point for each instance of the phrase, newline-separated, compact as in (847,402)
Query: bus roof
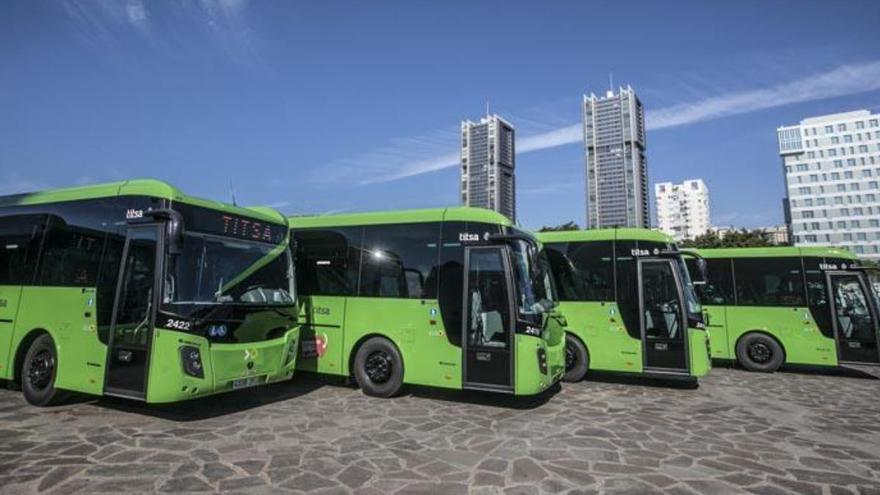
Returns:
(136,187)
(452,214)
(630,234)
(776,252)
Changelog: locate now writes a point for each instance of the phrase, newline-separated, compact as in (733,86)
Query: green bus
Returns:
(133,289)
(629,302)
(455,298)
(777,305)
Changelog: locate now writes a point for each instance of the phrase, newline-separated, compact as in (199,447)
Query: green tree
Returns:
(562,227)
(732,239)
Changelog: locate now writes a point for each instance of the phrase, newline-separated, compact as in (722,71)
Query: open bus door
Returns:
(662,317)
(134,312)
(854,317)
(488,326)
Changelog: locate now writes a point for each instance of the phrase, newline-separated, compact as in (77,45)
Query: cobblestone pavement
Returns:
(739,432)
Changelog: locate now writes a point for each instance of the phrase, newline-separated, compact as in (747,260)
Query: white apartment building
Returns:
(832,180)
(683,209)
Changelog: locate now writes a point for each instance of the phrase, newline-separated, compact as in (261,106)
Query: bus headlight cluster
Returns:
(291,352)
(192,361)
(542,360)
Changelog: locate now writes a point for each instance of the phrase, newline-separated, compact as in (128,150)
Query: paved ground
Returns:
(739,432)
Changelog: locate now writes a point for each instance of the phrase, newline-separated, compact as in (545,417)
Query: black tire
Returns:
(38,373)
(759,352)
(577,359)
(378,368)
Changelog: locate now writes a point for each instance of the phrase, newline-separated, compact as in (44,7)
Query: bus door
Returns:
(854,317)
(487,339)
(662,317)
(134,313)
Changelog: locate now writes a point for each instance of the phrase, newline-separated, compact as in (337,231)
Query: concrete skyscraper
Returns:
(683,209)
(616,169)
(488,158)
(832,181)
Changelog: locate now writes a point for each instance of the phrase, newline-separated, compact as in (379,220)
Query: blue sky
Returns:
(350,106)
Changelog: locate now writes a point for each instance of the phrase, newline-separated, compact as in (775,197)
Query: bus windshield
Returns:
(220,270)
(694,308)
(535,288)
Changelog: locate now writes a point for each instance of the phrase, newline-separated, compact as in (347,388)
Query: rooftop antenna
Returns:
(232,193)
(611,81)
(487,108)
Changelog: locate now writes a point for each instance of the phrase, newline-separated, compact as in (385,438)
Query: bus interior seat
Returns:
(492,325)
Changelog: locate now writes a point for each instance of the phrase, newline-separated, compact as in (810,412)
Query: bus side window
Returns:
(817,296)
(399,260)
(769,282)
(564,273)
(594,270)
(626,276)
(328,261)
(718,289)
(19,247)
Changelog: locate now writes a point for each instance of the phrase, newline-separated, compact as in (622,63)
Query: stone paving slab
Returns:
(786,433)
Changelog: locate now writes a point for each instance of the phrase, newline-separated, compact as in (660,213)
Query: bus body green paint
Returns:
(335,325)
(612,343)
(76,316)
(794,325)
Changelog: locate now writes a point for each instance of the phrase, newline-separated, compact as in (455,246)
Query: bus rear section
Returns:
(451,298)
(134,290)
(806,306)
(629,302)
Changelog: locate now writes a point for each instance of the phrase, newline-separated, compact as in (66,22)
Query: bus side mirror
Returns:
(700,277)
(174,235)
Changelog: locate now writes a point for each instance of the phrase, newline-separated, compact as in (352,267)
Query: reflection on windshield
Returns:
(693,304)
(874,283)
(535,294)
(215,270)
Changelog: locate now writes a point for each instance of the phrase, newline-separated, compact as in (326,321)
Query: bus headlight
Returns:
(542,360)
(192,361)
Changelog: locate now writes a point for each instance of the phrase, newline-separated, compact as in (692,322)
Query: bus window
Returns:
(488,300)
(769,282)
(817,296)
(400,261)
(627,285)
(718,289)
(594,269)
(328,261)
(19,246)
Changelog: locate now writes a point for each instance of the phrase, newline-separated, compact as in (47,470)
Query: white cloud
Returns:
(103,23)
(406,157)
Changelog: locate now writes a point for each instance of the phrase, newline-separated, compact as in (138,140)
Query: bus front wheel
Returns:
(759,352)
(38,372)
(378,368)
(577,359)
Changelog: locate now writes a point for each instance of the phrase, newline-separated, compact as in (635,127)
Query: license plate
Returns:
(246,382)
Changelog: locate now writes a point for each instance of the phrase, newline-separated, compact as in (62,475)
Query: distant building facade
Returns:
(683,209)
(488,157)
(832,171)
(616,168)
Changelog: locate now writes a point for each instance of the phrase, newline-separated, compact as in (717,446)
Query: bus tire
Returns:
(38,372)
(577,359)
(378,368)
(759,352)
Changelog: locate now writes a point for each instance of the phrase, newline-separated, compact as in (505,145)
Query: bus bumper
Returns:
(184,366)
(539,365)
